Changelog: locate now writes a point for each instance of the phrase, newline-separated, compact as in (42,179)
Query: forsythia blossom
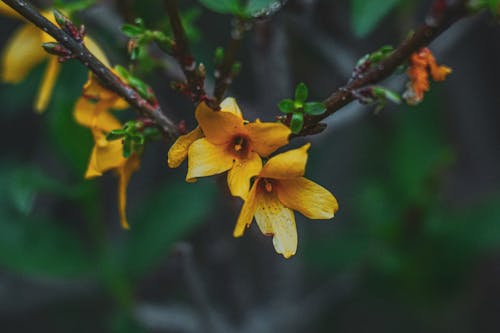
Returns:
(224,141)
(24,51)
(92,111)
(232,144)
(278,189)
(421,64)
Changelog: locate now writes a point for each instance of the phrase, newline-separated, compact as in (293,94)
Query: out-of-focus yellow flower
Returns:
(279,189)
(230,143)
(24,51)
(421,64)
(92,111)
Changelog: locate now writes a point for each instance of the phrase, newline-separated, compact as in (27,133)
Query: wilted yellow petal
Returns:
(307,197)
(107,157)
(247,211)
(218,127)
(265,138)
(289,164)
(124,172)
(439,73)
(22,53)
(238,178)
(207,159)
(48,82)
(95,115)
(179,150)
(229,105)
(275,219)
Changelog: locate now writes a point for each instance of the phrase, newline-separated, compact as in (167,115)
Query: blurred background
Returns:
(415,246)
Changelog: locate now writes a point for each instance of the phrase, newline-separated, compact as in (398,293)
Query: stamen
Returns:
(268,185)
(239,144)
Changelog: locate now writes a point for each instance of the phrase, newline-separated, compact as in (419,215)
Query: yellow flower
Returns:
(92,111)
(179,150)
(230,143)
(23,52)
(278,189)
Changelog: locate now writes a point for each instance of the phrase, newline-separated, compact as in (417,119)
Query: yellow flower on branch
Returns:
(24,51)
(232,144)
(92,111)
(279,189)
(179,150)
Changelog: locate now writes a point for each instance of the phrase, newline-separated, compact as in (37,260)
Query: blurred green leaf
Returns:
(41,247)
(223,6)
(366,14)
(73,141)
(167,217)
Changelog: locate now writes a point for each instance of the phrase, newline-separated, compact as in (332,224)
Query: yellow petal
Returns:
(5,10)
(104,158)
(48,82)
(307,197)
(206,159)
(95,115)
(22,53)
(179,150)
(267,137)
(289,164)
(229,105)
(218,127)
(124,172)
(238,178)
(93,89)
(274,218)
(247,211)
(96,50)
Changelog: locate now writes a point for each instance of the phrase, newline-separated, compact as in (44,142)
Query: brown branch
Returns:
(108,79)
(442,15)
(195,74)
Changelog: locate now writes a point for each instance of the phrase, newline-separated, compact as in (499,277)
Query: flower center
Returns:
(239,146)
(267,184)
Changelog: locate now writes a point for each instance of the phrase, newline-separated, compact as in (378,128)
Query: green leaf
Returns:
(297,122)
(115,135)
(132,30)
(286,106)
(223,6)
(301,92)
(314,108)
(127,147)
(169,216)
(367,14)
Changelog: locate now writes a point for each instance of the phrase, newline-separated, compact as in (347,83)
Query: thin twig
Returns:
(441,17)
(106,77)
(195,74)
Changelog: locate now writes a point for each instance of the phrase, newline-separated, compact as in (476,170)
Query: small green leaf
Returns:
(127,147)
(314,108)
(301,92)
(297,122)
(286,106)
(387,94)
(132,30)
(115,135)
